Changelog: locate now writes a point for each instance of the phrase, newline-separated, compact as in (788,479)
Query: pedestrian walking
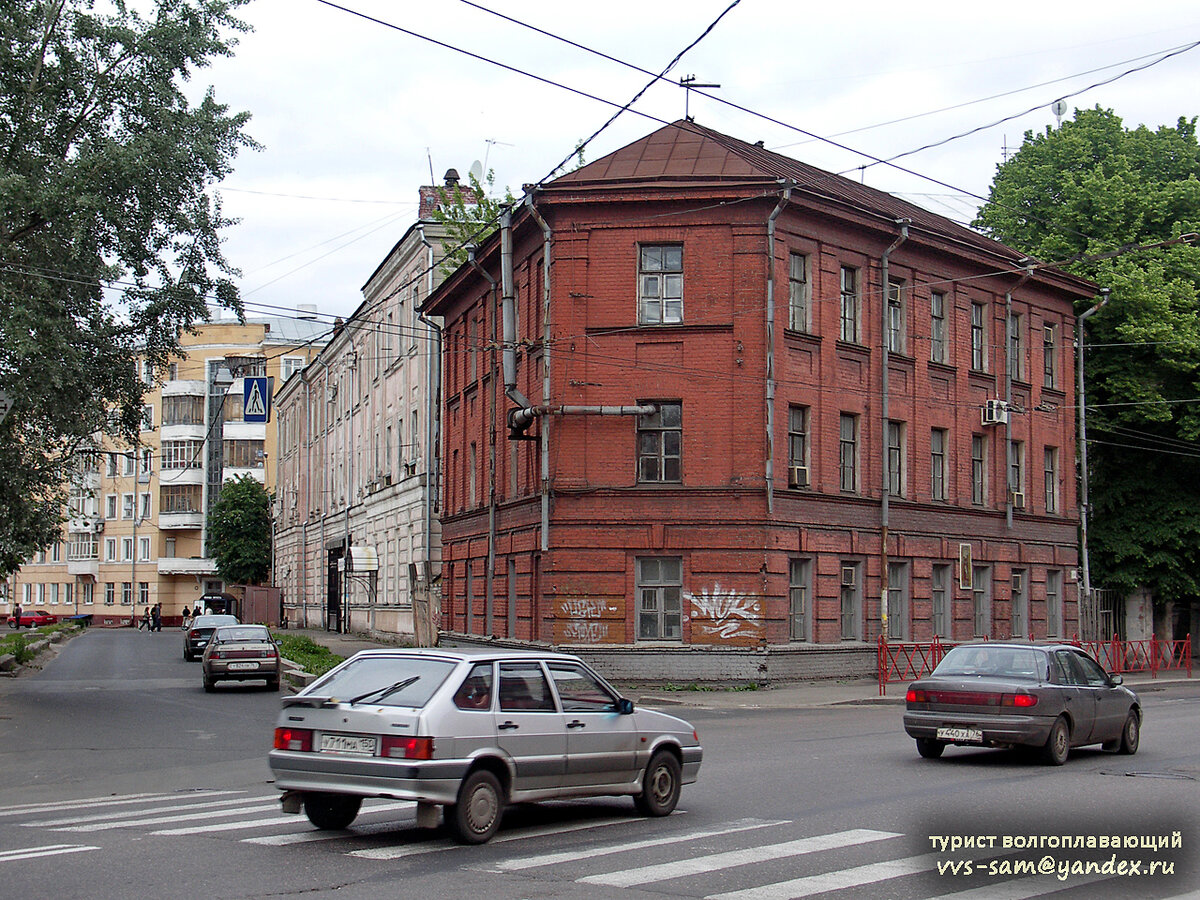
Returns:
(145,623)
(187,618)
(17,616)
(156,617)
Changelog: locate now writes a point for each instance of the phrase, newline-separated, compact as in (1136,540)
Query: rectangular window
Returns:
(144,507)
(1020,603)
(981,600)
(1016,473)
(937,463)
(1016,348)
(169,548)
(849,304)
(474,347)
(660,444)
(110,593)
(660,592)
(183,409)
(937,327)
(978,337)
(143,548)
(112,465)
(660,284)
(234,406)
(848,452)
(897,601)
(978,470)
(127,549)
(87,592)
(126,593)
(53,595)
(127,506)
(896,336)
(1053,603)
(1050,356)
(172,371)
(182,454)
(144,592)
(147,418)
(244,454)
(798,446)
(292,364)
(799,292)
(895,458)
(851,601)
(1050,478)
(128,463)
(147,466)
(110,506)
(799,591)
(940,596)
(110,549)
(179,498)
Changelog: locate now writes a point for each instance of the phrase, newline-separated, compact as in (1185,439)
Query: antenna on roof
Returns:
(429,156)
(688,83)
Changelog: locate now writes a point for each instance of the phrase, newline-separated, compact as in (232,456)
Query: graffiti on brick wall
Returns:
(585,632)
(584,608)
(725,613)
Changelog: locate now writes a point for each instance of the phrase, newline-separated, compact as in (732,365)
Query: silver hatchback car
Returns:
(472,731)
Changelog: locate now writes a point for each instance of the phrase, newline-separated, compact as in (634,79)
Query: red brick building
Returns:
(708,433)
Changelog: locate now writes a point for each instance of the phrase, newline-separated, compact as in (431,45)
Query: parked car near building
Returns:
(1053,697)
(472,730)
(195,639)
(32,619)
(241,653)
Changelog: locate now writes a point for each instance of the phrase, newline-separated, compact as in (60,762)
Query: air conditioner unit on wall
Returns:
(848,573)
(797,476)
(995,412)
(1018,500)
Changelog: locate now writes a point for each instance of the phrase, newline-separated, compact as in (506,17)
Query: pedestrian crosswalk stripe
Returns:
(134,813)
(281,819)
(835,881)
(1021,888)
(308,837)
(713,861)
(248,805)
(116,800)
(550,859)
(37,852)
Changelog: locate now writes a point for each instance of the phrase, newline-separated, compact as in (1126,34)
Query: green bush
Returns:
(18,646)
(316,659)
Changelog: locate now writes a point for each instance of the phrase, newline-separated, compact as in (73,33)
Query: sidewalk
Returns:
(806,695)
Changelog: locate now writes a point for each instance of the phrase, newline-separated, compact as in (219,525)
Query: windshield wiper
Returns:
(387,691)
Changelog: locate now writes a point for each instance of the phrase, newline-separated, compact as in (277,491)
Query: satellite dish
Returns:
(476,170)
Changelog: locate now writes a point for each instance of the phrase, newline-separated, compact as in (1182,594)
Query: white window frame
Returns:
(659,598)
(799,292)
(660,284)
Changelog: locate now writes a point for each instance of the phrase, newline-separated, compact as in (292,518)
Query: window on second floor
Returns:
(937,463)
(798,446)
(978,470)
(660,444)
(1050,478)
(1016,347)
(660,284)
(848,452)
(849,305)
(978,337)
(937,327)
(896,337)
(1050,356)
(895,458)
(799,292)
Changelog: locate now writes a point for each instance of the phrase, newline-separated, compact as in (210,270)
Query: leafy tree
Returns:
(1071,195)
(239,531)
(109,233)
(469,214)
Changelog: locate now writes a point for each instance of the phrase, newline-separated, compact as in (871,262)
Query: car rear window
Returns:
(999,662)
(372,677)
(242,633)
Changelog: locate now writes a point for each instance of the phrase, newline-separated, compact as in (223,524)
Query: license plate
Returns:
(966,735)
(241,666)
(358,744)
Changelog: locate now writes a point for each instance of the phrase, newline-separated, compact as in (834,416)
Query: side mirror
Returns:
(625,706)
(1114,680)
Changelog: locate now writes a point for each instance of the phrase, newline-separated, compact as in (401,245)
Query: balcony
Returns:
(174,521)
(179,565)
(84,568)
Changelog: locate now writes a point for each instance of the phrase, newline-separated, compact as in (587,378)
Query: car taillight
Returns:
(293,739)
(1023,701)
(269,654)
(914,696)
(399,747)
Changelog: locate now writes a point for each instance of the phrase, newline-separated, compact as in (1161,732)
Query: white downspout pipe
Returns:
(885,417)
(433,455)
(1008,380)
(770,325)
(546,384)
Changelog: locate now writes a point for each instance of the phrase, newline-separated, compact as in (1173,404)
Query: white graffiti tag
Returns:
(585,632)
(732,614)
(584,609)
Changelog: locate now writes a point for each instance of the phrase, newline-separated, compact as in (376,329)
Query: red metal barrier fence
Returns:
(913,660)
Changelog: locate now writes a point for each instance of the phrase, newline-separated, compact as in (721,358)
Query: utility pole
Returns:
(1087,604)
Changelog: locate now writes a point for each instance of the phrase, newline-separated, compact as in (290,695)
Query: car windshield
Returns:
(241,633)
(396,680)
(993,661)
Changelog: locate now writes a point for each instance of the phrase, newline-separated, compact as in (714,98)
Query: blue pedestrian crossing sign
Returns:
(256,399)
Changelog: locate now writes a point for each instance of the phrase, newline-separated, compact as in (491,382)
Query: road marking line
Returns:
(134,813)
(1021,888)
(307,837)
(550,859)
(415,850)
(281,819)
(713,861)
(248,806)
(835,881)
(37,852)
(121,800)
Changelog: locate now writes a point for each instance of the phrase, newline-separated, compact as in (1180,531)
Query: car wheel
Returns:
(660,786)
(272,684)
(209,685)
(929,748)
(331,812)
(1058,745)
(187,656)
(476,815)
(1131,734)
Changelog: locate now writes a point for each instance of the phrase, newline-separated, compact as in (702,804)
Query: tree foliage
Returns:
(109,232)
(239,531)
(1081,191)
(469,214)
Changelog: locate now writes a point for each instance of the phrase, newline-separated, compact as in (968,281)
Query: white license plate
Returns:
(358,744)
(241,666)
(967,735)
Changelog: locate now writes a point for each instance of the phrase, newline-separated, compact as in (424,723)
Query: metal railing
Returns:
(1153,655)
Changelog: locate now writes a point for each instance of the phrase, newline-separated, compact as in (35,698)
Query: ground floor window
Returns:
(799,603)
(659,592)
(1020,604)
(981,600)
(1053,602)
(897,601)
(851,601)
(940,596)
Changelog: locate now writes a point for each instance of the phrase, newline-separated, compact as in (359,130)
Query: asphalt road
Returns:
(120,777)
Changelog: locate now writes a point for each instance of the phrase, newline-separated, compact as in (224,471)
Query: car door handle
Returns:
(505,726)
(576,724)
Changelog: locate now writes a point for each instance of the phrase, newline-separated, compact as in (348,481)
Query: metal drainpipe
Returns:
(433,457)
(770,388)
(546,339)
(308,467)
(489,585)
(1008,370)
(1083,468)
(885,493)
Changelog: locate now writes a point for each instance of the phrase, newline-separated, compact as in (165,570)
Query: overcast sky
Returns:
(354,115)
